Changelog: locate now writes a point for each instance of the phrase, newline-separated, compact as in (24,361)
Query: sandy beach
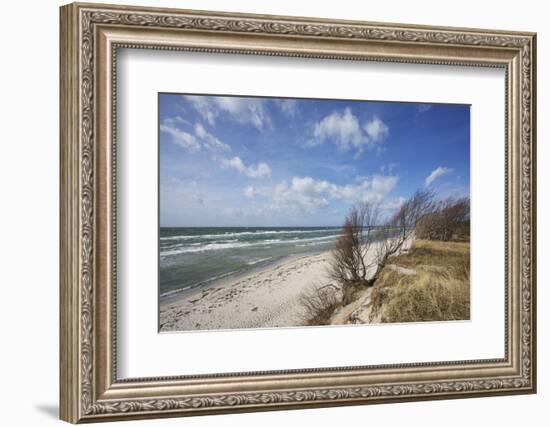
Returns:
(266,298)
(261,299)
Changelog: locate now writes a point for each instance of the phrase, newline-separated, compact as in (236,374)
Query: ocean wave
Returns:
(183,249)
(259,260)
(302,245)
(247,233)
(185,244)
(203,248)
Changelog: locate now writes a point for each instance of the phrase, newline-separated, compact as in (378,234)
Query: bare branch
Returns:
(363,249)
(349,263)
(445,220)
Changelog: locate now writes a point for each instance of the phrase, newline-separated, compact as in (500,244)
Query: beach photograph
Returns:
(291,212)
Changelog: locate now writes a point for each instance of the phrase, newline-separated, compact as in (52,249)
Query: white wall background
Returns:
(29,170)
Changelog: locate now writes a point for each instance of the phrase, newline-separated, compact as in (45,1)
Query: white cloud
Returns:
(204,107)
(192,143)
(382,184)
(344,130)
(376,129)
(307,195)
(437,173)
(250,192)
(296,197)
(261,170)
(180,137)
(288,106)
(210,141)
(393,204)
(243,110)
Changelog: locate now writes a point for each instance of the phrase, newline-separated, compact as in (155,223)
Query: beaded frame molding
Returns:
(90,37)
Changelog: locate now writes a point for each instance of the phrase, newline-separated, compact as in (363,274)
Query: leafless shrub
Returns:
(401,227)
(356,260)
(349,263)
(449,218)
(319,304)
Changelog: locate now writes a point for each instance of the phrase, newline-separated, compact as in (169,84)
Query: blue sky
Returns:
(241,161)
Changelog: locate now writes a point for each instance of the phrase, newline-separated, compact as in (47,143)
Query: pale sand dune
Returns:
(263,299)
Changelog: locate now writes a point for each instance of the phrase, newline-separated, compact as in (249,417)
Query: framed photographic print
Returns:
(264,212)
(299,241)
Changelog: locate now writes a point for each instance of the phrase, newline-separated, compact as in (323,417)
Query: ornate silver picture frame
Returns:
(91,36)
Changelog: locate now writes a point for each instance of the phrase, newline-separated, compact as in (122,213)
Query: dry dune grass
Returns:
(440,289)
(319,304)
(436,246)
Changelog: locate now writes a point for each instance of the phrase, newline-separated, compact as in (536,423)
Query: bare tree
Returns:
(359,256)
(350,264)
(401,227)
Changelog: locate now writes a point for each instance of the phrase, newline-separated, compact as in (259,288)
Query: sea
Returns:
(191,257)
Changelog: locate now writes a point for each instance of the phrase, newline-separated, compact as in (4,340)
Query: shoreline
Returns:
(230,278)
(267,296)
